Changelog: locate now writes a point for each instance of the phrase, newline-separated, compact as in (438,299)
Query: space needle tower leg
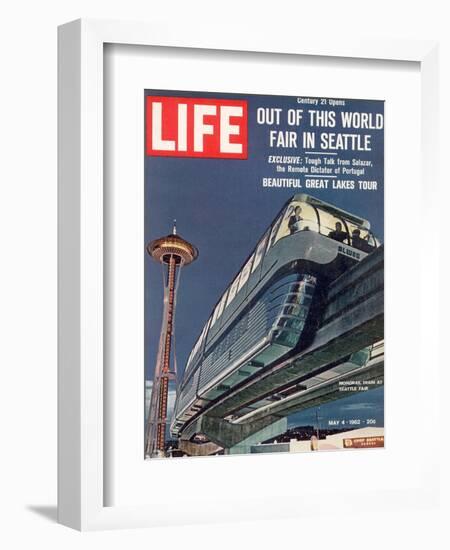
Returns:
(164,387)
(174,252)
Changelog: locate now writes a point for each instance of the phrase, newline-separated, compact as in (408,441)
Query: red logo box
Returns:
(196,127)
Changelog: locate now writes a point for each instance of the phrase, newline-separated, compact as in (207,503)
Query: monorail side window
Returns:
(189,361)
(197,344)
(214,317)
(299,216)
(260,251)
(208,324)
(233,291)
(274,231)
(245,273)
(222,304)
(203,334)
(360,238)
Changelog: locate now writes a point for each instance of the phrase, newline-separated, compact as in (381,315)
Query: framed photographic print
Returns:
(231,234)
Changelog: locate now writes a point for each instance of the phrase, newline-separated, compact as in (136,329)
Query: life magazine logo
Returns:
(196,127)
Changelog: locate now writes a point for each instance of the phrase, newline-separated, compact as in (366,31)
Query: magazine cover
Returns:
(264,275)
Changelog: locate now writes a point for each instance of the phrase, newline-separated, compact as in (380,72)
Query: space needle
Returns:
(172,252)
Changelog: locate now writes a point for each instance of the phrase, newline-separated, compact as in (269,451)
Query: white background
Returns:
(28,274)
(130,70)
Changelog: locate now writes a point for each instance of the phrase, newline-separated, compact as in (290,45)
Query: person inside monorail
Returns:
(294,220)
(338,234)
(361,243)
(357,242)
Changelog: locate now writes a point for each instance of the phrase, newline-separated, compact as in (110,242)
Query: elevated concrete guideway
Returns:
(321,393)
(353,319)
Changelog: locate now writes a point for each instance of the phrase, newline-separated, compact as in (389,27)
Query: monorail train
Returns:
(273,305)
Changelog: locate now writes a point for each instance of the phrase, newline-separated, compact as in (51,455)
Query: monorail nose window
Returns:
(299,216)
(360,238)
(260,251)
(332,226)
(303,216)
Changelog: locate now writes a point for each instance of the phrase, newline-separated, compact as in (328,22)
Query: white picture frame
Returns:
(81,481)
